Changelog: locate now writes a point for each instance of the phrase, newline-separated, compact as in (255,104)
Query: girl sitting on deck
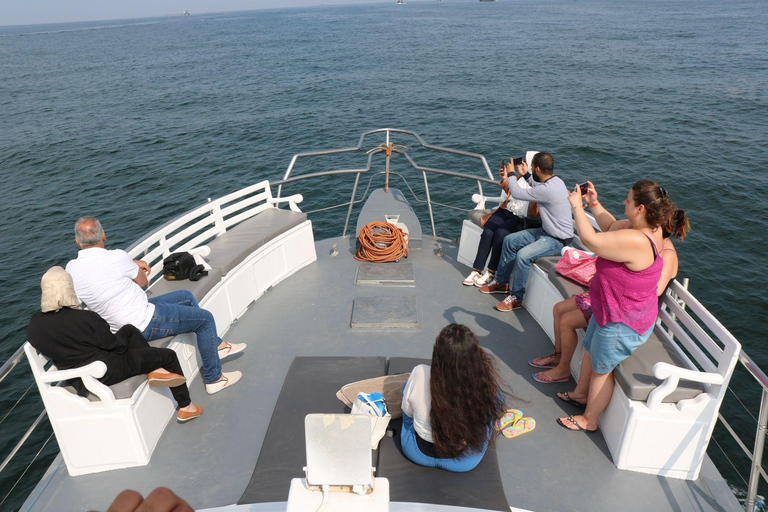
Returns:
(576,312)
(450,408)
(623,292)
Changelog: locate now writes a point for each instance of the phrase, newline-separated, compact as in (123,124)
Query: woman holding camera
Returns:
(450,408)
(576,312)
(508,218)
(623,291)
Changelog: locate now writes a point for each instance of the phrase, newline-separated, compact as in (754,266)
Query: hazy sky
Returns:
(30,12)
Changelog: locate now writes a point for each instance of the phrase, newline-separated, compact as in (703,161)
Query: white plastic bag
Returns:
(373,405)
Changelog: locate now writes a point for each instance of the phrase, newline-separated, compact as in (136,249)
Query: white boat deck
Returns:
(209,461)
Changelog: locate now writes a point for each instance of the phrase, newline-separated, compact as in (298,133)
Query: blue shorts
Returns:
(611,344)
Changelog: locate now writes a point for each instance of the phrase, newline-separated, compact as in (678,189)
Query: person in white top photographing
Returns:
(111,284)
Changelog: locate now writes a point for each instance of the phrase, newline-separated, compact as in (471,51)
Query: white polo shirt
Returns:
(104,282)
(417,401)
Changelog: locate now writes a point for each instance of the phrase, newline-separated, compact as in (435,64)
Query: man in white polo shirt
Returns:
(111,284)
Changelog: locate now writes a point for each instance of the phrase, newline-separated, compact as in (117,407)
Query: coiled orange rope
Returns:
(381,242)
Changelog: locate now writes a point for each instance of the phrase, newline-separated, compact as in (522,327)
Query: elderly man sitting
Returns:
(73,338)
(110,283)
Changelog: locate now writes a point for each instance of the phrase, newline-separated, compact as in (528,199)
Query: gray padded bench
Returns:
(480,488)
(634,374)
(310,387)
(198,288)
(231,248)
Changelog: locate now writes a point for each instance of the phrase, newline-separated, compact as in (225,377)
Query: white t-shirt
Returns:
(104,282)
(417,401)
(516,206)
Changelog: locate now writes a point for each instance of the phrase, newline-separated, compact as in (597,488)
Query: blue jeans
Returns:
(519,251)
(178,312)
(411,450)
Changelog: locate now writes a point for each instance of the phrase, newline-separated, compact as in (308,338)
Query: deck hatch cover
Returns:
(385,274)
(384,313)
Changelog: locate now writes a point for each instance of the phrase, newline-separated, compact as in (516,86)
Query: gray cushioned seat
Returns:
(480,488)
(475,215)
(121,390)
(198,288)
(635,374)
(231,248)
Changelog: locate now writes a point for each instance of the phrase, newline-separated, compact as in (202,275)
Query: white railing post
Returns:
(218,218)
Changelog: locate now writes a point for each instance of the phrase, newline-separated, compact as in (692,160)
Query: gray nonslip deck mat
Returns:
(480,488)
(309,387)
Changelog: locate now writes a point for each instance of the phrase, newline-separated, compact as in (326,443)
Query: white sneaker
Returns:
(484,279)
(471,278)
(227,380)
(230,349)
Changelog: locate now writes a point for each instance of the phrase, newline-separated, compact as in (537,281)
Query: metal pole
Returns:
(757,454)
(22,441)
(429,204)
(351,205)
(389,153)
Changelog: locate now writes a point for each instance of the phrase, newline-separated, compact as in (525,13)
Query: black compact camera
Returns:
(584,187)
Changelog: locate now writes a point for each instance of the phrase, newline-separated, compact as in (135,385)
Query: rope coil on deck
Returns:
(381,242)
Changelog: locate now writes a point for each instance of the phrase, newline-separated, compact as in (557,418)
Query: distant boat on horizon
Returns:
(180,13)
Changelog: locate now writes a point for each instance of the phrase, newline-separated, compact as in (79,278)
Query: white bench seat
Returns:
(253,246)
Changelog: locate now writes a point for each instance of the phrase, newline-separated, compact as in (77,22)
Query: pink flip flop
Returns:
(537,378)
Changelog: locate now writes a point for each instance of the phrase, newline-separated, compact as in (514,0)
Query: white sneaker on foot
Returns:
(484,279)
(230,349)
(227,380)
(471,278)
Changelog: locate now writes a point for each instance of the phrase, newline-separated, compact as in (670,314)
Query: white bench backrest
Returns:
(202,225)
(703,352)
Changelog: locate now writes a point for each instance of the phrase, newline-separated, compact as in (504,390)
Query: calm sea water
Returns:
(137,121)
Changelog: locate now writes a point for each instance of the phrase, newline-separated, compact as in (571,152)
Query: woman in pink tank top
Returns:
(623,291)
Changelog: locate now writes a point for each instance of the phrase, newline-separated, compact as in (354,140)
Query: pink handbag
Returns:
(577,265)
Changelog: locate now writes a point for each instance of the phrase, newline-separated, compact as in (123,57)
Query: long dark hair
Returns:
(660,211)
(466,393)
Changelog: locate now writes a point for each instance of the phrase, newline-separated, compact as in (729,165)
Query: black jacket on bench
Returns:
(73,338)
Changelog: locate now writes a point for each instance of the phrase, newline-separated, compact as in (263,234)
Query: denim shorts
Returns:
(611,344)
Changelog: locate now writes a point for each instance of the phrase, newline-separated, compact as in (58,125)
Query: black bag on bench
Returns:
(182,265)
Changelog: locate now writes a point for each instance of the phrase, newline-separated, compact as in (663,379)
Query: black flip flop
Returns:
(571,401)
(573,422)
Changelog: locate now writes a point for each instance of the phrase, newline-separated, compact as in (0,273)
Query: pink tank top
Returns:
(625,296)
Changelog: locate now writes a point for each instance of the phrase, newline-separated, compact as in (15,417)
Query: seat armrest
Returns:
(292,201)
(480,200)
(89,374)
(672,375)
(96,369)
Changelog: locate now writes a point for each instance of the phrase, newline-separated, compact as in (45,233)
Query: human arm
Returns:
(142,275)
(628,246)
(603,217)
(407,405)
